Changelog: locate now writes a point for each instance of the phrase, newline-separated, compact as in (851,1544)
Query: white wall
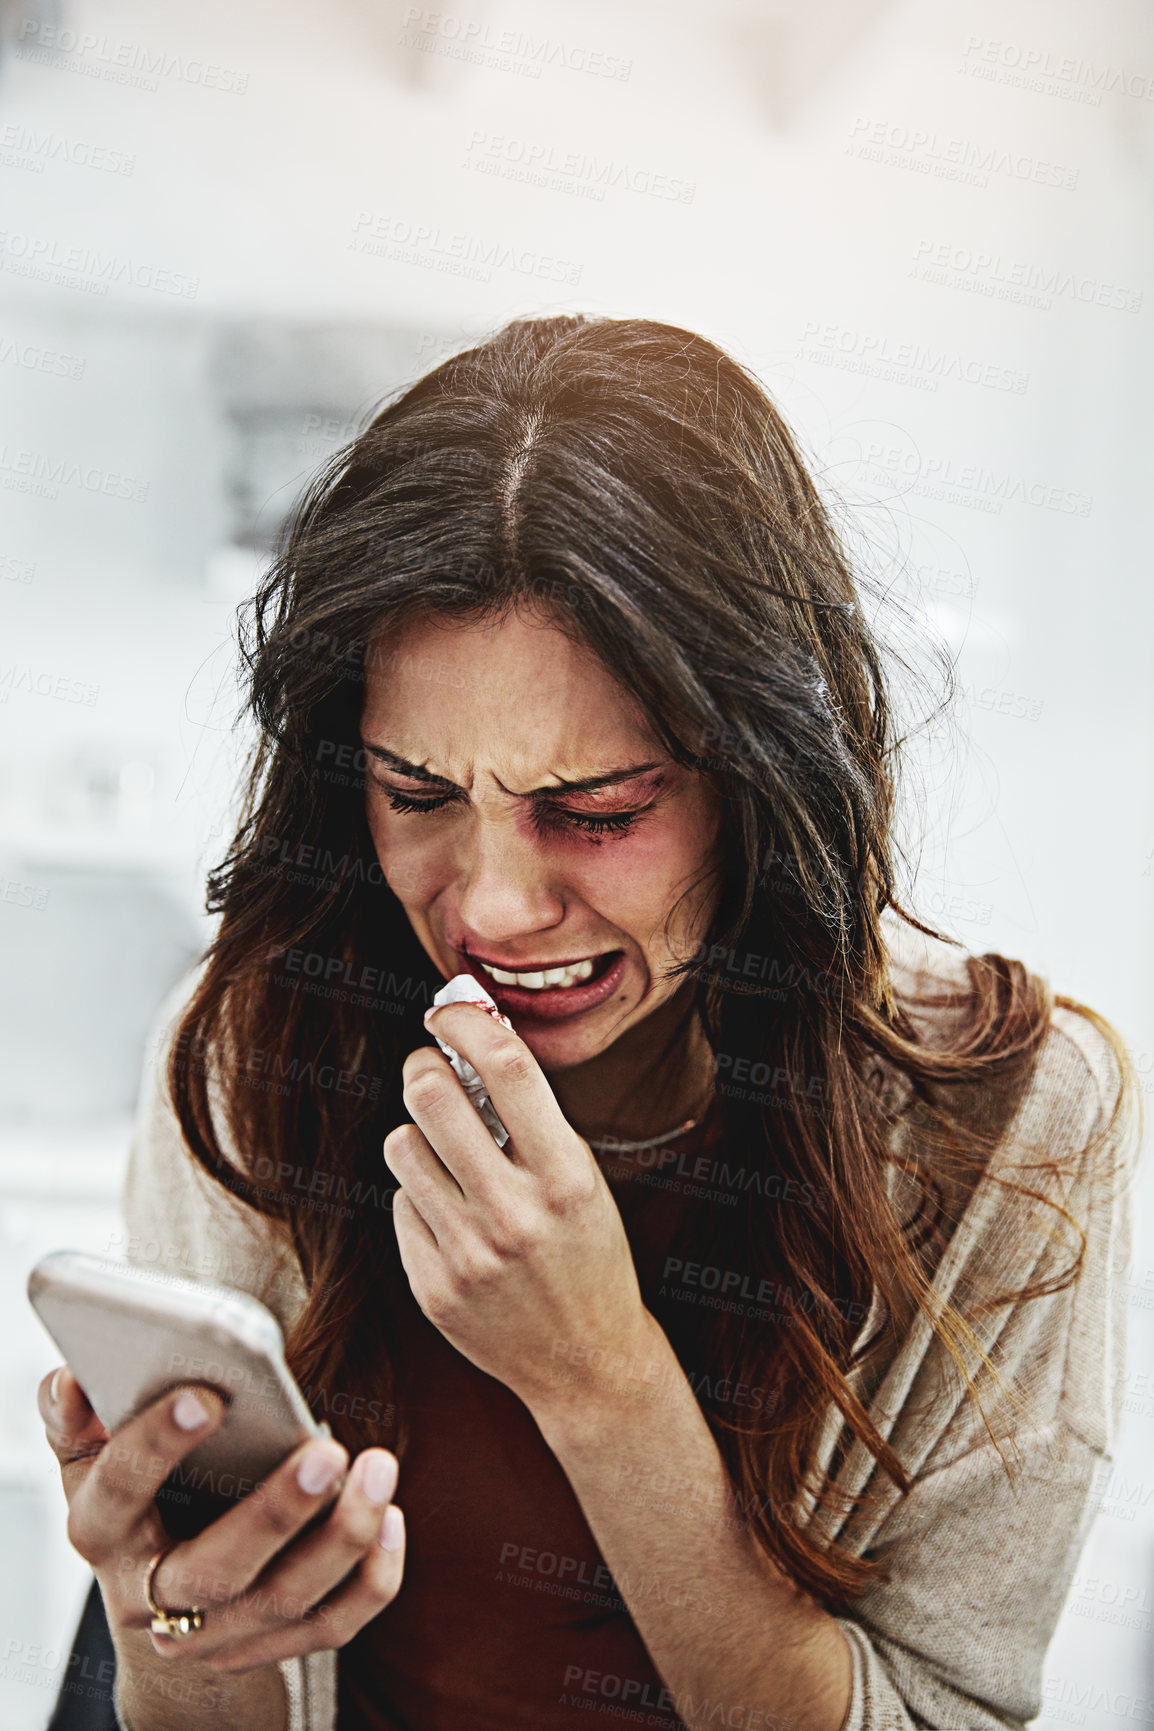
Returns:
(924,222)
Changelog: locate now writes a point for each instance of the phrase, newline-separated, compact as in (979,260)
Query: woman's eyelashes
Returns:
(402,802)
(548,819)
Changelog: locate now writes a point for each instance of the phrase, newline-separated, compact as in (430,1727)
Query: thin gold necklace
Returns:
(615,1145)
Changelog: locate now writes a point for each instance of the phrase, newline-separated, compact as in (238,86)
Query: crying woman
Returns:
(764,1376)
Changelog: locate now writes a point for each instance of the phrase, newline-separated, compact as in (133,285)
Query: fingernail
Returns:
(189,1413)
(431,1011)
(54,1386)
(380,1478)
(319,1469)
(393,1529)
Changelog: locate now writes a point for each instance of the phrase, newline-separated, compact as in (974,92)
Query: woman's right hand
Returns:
(267,1591)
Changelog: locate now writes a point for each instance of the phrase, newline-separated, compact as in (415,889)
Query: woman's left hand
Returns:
(518,1255)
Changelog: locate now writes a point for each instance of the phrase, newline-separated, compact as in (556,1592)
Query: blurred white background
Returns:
(226,230)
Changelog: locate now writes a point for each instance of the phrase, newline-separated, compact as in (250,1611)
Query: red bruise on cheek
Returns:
(634,880)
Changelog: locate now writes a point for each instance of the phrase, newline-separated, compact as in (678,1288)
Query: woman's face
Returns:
(470,730)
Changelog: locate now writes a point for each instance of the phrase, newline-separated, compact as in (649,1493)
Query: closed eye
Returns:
(402,802)
(548,819)
(593,824)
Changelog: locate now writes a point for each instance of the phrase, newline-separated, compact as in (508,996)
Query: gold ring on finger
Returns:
(174,1623)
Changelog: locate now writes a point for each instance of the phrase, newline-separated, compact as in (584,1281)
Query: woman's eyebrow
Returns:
(416,770)
(585,784)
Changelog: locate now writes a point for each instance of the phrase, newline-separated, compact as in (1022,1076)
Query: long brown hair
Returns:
(637,483)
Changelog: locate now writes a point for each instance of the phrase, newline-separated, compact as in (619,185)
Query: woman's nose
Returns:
(506,890)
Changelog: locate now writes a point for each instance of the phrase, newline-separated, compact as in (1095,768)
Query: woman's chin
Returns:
(560,1044)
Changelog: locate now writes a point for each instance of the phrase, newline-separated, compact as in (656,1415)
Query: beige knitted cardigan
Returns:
(979,1566)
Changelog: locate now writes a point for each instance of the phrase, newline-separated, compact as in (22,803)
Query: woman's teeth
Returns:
(537,982)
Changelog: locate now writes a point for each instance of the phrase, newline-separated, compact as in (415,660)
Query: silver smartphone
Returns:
(128,1334)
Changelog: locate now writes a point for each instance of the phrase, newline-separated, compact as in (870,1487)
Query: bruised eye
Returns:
(611,823)
(548,820)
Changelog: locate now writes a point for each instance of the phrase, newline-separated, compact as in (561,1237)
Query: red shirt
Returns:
(508,1616)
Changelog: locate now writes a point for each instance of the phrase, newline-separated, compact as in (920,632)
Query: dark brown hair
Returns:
(635,483)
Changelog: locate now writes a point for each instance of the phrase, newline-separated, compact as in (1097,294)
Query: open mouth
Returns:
(551,993)
(545,979)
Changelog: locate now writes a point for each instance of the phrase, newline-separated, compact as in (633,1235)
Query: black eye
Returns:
(547,819)
(609,823)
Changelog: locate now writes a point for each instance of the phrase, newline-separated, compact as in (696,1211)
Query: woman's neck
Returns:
(656,1076)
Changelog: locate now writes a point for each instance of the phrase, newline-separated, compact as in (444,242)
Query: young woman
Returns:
(766,1375)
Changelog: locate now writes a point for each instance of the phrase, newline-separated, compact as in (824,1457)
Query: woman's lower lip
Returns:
(551,1003)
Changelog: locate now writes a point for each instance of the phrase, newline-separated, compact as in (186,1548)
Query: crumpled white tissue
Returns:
(464,989)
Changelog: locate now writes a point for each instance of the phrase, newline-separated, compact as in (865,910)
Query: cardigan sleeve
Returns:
(979,1565)
(958,1638)
(180,1221)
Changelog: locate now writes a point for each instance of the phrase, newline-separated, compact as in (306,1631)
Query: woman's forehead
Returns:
(521,636)
(518,677)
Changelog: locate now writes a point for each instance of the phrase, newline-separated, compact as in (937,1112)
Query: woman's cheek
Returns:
(632,879)
(666,873)
(414,869)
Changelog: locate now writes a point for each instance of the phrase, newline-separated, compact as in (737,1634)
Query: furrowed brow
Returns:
(594,783)
(585,784)
(416,770)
